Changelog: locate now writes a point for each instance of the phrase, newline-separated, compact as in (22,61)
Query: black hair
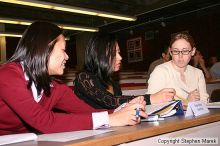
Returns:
(99,56)
(33,51)
(165,49)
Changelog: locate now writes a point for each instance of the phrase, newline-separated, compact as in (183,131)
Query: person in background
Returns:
(95,84)
(199,62)
(212,61)
(188,81)
(165,56)
(29,92)
(215,70)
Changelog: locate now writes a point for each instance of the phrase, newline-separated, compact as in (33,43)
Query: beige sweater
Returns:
(165,76)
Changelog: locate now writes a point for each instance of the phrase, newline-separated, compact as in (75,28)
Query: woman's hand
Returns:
(193,96)
(164,95)
(127,115)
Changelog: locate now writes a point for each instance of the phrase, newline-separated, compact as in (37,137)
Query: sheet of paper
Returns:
(15,138)
(68,136)
(199,108)
(155,107)
(168,111)
(189,112)
(196,108)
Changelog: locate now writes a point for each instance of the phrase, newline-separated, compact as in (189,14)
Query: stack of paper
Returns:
(163,109)
(59,137)
(15,138)
(68,136)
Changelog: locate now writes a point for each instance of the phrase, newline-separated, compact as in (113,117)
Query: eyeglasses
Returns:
(183,52)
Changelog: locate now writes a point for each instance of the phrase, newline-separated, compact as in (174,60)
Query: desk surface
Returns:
(131,133)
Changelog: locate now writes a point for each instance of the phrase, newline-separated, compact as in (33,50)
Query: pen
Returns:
(180,97)
(137,113)
(184,90)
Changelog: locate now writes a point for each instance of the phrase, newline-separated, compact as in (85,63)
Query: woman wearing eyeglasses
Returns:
(188,81)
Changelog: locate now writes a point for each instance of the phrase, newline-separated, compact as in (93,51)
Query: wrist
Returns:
(111,120)
(151,97)
(120,107)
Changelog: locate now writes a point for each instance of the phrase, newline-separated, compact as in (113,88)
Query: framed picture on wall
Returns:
(134,49)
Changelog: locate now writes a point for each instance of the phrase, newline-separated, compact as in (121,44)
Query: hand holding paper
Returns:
(127,115)
(164,95)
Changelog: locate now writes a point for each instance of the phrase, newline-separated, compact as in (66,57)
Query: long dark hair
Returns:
(99,56)
(33,51)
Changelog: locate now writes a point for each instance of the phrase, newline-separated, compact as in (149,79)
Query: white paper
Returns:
(152,118)
(15,138)
(197,108)
(155,107)
(170,113)
(189,112)
(68,136)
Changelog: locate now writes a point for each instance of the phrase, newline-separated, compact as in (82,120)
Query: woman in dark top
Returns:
(95,86)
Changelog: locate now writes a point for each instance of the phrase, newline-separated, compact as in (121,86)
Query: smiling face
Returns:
(58,57)
(117,59)
(182,59)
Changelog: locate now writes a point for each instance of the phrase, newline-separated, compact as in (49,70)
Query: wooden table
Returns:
(137,132)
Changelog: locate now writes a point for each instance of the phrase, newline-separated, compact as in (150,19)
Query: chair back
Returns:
(215,96)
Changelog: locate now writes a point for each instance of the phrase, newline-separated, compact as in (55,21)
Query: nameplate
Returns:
(196,108)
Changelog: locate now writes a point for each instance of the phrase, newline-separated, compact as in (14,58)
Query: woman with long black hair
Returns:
(95,84)
(29,93)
